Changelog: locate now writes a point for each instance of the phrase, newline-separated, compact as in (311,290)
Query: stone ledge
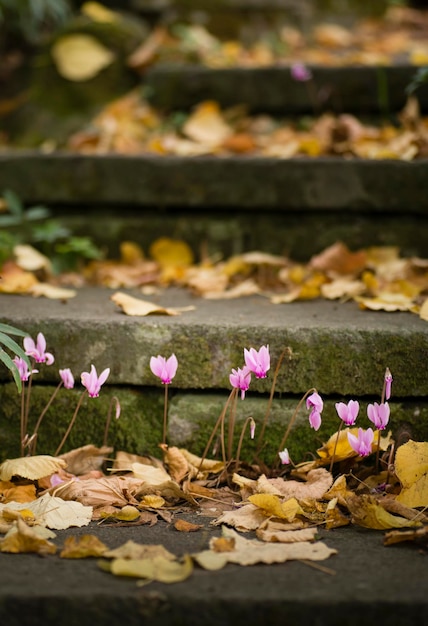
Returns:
(335,347)
(220,183)
(350,89)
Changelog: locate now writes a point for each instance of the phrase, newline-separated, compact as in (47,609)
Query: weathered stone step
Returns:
(220,183)
(352,89)
(233,204)
(337,348)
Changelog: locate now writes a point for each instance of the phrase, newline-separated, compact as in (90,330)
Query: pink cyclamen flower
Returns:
(38,350)
(363,443)
(284,456)
(252,428)
(24,372)
(240,379)
(316,404)
(67,378)
(163,368)
(258,362)
(379,414)
(300,72)
(93,382)
(348,412)
(388,383)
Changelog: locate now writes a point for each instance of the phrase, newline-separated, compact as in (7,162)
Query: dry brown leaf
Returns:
(83,547)
(246,518)
(157,568)
(11,492)
(338,259)
(30,259)
(53,292)
(388,301)
(342,288)
(423,311)
(132,550)
(22,539)
(398,536)
(16,280)
(273,506)
(31,467)
(85,459)
(137,307)
(318,481)
(287,536)
(115,490)
(205,466)
(366,512)
(186,527)
(176,462)
(252,551)
(206,125)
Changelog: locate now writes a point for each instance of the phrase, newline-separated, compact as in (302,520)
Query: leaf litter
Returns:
(285,510)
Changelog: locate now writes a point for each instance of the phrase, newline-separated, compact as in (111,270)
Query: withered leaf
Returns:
(82,547)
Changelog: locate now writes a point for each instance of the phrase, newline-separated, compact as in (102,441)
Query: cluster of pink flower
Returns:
(257,362)
(377,413)
(37,350)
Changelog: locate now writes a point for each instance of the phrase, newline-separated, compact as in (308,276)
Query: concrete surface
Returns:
(365,583)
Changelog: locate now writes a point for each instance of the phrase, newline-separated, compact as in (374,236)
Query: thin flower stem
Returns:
(377,452)
(293,419)
(22,421)
(382,400)
(231,427)
(241,439)
(108,420)
(220,419)
(165,415)
(269,405)
(42,414)
(70,426)
(335,446)
(27,406)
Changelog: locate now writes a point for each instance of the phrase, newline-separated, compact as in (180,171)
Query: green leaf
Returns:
(12,367)
(13,202)
(11,330)
(13,347)
(37,213)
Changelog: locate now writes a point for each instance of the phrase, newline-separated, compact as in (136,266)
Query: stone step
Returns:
(362,90)
(230,204)
(337,348)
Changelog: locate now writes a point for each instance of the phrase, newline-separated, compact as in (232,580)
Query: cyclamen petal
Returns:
(24,372)
(388,383)
(315,419)
(315,401)
(38,350)
(240,379)
(379,414)
(258,362)
(67,378)
(363,443)
(284,456)
(93,382)
(348,412)
(165,369)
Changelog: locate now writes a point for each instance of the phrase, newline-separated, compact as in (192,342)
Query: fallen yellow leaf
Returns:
(82,547)
(137,307)
(411,467)
(80,57)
